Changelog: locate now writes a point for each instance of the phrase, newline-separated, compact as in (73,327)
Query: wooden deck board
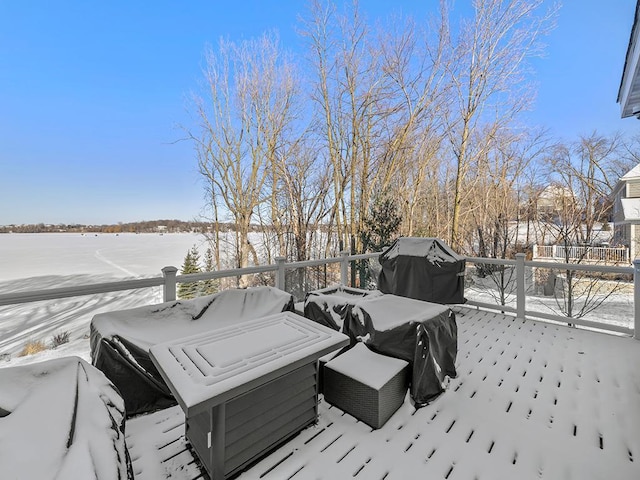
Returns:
(532,400)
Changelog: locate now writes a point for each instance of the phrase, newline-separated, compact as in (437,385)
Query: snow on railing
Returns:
(171,279)
(615,255)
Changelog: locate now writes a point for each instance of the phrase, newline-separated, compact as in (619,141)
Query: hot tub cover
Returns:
(422,268)
(120,340)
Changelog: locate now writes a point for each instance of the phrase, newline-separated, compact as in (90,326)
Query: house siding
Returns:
(633,189)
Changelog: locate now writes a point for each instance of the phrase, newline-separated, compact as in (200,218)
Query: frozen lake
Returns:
(126,255)
(52,260)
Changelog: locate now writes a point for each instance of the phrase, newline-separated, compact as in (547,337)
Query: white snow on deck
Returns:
(532,400)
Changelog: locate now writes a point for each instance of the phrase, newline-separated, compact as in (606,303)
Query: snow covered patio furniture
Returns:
(120,340)
(421,333)
(328,306)
(532,400)
(422,268)
(246,388)
(369,386)
(61,419)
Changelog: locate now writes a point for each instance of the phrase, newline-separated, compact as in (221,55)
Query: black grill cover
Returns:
(424,269)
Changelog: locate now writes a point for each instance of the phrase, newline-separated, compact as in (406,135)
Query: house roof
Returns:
(629,91)
(633,173)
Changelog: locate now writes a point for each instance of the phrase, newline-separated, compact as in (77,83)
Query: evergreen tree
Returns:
(209,286)
(381,224)
(190,265)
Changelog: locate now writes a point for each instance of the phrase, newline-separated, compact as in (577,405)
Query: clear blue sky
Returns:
(91,94)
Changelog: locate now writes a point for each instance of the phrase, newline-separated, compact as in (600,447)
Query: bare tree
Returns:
(584,170)
(243,120)
(487,69)
(495,209)
(380,97)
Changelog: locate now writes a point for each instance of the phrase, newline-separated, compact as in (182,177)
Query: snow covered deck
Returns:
(532,400)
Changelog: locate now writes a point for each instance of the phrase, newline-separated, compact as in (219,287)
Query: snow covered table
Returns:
(421,333)
(120,340)
(246,388)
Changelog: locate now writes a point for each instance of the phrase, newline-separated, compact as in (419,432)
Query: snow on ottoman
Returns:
(369,386)
(61,419)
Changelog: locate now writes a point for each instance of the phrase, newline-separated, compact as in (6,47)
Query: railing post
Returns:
(169,287)
(636,299)
(280,273)
(344,268)
(520,287)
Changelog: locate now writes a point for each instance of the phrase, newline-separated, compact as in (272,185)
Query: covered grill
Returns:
(422,268)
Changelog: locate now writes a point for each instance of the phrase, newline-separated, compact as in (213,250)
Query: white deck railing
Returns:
(609,255)
(170,279)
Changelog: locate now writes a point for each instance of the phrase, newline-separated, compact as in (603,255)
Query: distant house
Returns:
(626,211)
(552,200)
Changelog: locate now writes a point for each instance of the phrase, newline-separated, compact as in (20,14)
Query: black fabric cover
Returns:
(131,369)
(426,336)
(329,306)
(120,340)
(424,269)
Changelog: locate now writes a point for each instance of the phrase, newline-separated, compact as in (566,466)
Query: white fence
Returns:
(607,255)
(170,279)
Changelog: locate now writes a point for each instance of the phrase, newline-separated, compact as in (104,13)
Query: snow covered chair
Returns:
(61,419)
(120,340)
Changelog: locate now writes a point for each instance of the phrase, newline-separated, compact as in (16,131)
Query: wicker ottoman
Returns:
(369,386)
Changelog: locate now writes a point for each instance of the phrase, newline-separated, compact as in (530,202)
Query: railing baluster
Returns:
(520,287)
(169,286)
(344,267)
(280,273)
(636,299)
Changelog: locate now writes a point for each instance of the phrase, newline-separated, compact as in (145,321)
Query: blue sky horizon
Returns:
(92,95)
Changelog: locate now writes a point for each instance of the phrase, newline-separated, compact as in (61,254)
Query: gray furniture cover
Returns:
(422,268)
(120,340)
(61,419)
(421,333)
(328,306)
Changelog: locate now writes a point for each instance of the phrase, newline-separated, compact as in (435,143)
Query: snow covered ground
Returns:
(40,261)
